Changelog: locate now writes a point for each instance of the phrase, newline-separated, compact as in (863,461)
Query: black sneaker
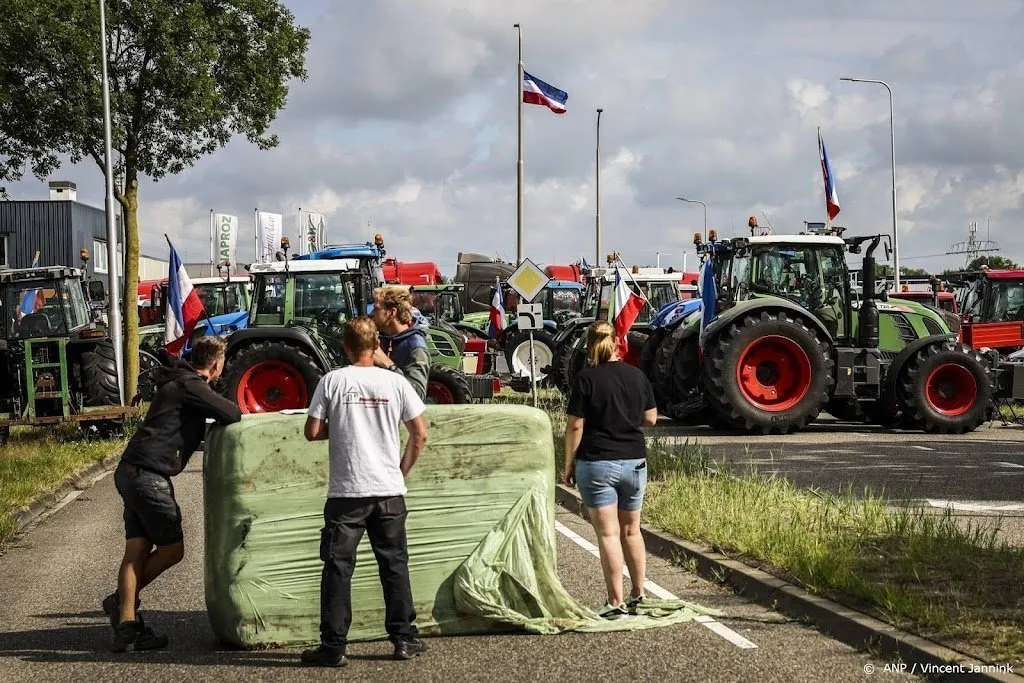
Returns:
(323,656)
(610,611)
(131,636)
(407,649)
(632,603)
(112,607)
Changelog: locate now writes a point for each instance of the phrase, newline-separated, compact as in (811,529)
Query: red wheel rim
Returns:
(439,393)
(774,373)
(270,386)
(951,389)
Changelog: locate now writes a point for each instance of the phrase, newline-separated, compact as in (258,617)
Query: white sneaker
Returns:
(610,611)
(632,603)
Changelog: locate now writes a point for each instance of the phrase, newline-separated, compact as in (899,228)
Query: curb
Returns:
(846,625)
(76,482)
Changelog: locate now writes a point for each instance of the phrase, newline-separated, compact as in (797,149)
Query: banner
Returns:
(225,236)
(270,235)
(312,232)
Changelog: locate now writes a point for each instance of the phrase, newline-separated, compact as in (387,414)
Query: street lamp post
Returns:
(892,146)
(697,201)
(597,190)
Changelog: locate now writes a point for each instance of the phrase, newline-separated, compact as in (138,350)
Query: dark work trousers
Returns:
(344,522)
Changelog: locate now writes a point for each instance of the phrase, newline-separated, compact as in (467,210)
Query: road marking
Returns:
(975,507)
(1009,464)
(923,448)
(657,591)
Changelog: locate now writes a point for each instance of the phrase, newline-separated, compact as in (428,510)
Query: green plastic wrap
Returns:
(480,532)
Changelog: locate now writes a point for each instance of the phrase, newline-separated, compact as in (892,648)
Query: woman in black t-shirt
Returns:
(606,456)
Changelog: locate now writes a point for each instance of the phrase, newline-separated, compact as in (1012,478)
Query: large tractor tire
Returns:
(517,353)
(647,353)
(446,386)
(674,372)
(946,388)
(271,376)
(98,380)
(558,372)
(148,365)
(768,373)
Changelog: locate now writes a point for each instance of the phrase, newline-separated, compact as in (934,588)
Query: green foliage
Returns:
(993,262)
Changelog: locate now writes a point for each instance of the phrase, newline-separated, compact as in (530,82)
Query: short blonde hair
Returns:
(601,342)
(395,297)
(359,335)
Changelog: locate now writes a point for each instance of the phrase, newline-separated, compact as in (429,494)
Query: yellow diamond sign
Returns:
(528,280)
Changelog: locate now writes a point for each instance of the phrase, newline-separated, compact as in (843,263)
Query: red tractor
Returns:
(992,306)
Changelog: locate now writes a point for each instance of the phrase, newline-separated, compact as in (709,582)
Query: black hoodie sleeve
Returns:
(201,397)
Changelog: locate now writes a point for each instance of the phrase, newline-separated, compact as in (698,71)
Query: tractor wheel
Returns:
(768,373)
(99,376)
(148,364)
(576,361)
(517,353)
(271,376)
(844,409)
(446,385)
(675,373)
(558,373)
(648,352)
(946,388)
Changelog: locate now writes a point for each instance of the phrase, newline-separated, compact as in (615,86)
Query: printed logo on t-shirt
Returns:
(354,397)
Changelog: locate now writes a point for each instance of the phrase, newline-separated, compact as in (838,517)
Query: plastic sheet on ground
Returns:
(480,533)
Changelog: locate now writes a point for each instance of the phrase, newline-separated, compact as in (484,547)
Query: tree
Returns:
(184,77)
(993,262)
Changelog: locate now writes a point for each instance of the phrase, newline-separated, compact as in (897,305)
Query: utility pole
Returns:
(597,190)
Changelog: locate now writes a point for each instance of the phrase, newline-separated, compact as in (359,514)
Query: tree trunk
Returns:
(130,311)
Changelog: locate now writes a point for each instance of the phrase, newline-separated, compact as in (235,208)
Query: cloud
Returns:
(407,125)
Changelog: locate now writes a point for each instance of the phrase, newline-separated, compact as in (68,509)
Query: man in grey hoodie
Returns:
(403,345)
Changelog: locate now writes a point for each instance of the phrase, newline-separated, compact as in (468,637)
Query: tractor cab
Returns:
(992,309)
(44,302)
(439,302)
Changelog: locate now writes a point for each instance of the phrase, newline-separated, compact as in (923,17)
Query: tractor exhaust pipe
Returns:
(868,315)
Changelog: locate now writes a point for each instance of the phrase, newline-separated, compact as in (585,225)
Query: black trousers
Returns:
(383,519)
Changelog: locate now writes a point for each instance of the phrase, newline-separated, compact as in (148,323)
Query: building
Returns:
(58,229)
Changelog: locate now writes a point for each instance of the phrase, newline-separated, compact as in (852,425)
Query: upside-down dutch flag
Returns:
(497,319)
(627,307)
(184,308)
(536,91)
(831,198)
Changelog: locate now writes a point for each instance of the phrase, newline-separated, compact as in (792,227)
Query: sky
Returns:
(407,126)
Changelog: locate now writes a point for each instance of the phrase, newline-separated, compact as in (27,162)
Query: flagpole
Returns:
(597,189)
(256,218)
(519,163)
(643,296)
(212,232)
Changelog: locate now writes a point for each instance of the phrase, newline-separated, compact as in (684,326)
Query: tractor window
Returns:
(659,294)
(34,310)
(326,297)
(1007,301)
(77,309)
(564,300)
(220,298)
(269,293)
(605,301)
(447,306)
(739,277)
(425,302)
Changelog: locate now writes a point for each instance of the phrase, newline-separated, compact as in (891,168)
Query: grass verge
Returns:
(37,461)
(920,570)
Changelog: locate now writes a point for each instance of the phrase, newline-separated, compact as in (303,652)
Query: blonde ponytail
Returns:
(601,344)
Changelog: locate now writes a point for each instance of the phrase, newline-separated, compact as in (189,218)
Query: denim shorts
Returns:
(606,482)
(150,510)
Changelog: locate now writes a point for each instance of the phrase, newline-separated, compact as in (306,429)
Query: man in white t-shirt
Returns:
(358,409)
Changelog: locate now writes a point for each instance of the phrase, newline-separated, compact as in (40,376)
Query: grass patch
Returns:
(36,461)
(920,570)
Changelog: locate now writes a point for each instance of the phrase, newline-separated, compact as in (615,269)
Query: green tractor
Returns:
(56,363)
(293,335)
(785,337)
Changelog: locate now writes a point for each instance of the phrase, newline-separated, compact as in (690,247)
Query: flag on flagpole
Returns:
(708,294)
(536,91)
(626,308)
(831,197)
(497,317)
(184,309)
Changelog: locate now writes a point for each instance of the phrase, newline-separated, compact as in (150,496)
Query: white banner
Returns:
(225,238)
(270,235)
(311,232)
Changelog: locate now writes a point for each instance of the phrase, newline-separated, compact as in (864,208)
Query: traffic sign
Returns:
(528,280)
(530,316)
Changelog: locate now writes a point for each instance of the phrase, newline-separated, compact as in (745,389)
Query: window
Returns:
(269,292)
(77,309)
(325,296)
(99,257)
(220,298)
(1007,301)
(34,310)
(3,251)
(659,294)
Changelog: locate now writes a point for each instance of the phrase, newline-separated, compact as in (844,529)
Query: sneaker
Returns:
(112,607)
(407,649)
(131,636)
(323,656)
(632,603)
(610,611)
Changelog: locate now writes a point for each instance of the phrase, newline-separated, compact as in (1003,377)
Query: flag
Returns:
(583,262)
(32,301)
(626,308)
(708,294)
(226,236)
(497,319)
(270,235)
(831,198)
(536,91)
(184,309)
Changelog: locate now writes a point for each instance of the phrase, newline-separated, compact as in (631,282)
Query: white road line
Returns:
(1009,464)
(657,591)
(975,507)
(923,448)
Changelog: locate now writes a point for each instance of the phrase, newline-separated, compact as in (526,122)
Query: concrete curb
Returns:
(76,482)
(846,625)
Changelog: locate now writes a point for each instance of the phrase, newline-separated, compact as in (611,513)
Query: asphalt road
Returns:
(52,629)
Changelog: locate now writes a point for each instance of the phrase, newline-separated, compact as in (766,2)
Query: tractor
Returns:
(992,306)
(659,289)
(56,363)
(294,328)
(787,337)
(226,301)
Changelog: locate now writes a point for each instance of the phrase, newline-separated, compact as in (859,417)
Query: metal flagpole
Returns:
(597,189)
(519,163)
(257,258)
(213,232)
(114,290)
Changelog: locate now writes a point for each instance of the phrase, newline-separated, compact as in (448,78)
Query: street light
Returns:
(697,201)
(892,143)
(597,189)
